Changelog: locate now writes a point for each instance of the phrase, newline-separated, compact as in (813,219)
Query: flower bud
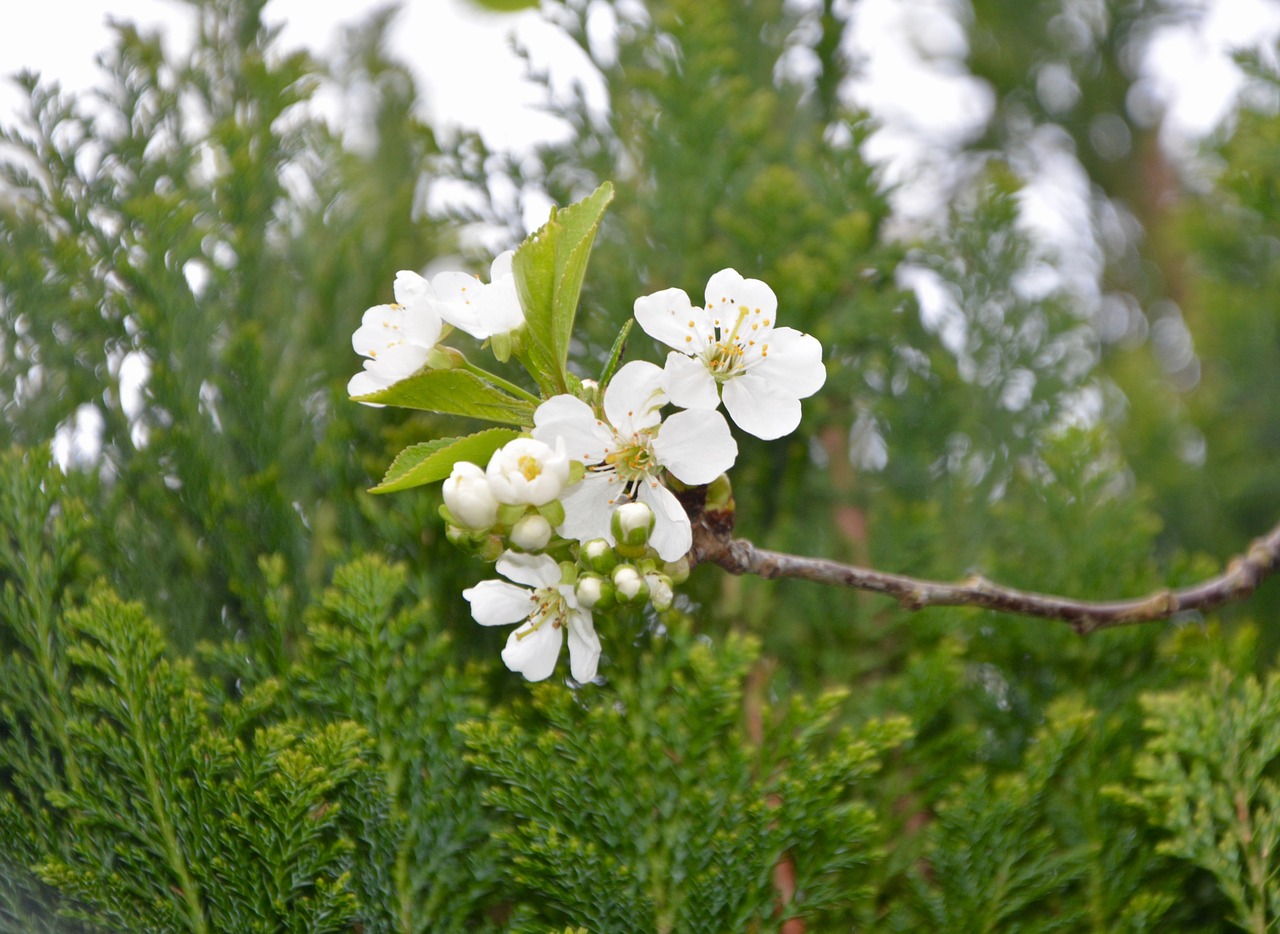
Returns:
(629,585)
(660,592)
(677,571)
(528,472)
(594,592)
(632,524)
(720,495)
(532,533)
(598,555)
(468,497)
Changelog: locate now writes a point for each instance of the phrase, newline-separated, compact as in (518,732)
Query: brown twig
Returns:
(713,543)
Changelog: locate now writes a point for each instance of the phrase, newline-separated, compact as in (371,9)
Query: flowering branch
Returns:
(713,543)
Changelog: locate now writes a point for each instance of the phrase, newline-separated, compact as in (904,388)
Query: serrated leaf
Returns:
(549,267)
(455,392)
(434,460)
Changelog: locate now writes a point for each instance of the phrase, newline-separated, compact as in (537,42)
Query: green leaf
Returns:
(455,392)
(619,346)
(549,267)
(434,460)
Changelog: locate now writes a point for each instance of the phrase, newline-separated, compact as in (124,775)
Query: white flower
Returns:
(469,498)
(479,309)
(625,454)
(528,472)
(548,608)
(396,338)
(730,346)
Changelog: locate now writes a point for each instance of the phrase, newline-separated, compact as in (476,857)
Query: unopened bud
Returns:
(468,497)
(598,555)
(532,533)
(677,571)
(632,524)
(660,592)
(594,592)
(628,583)
(720,494)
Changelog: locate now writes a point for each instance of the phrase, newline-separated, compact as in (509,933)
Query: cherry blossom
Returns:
(731,347)
(625,452)
(547,607)
(482,310)
(396,338)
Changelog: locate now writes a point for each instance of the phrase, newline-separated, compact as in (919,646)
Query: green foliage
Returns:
(710,809)
(549,268)
(455,392)
(434,460)
(1206,777)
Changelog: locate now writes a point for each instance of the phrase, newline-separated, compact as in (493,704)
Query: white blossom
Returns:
(731,347)
(396,338)
(480,309)
(469,498)
(548,609)
(625,452)
(527,471)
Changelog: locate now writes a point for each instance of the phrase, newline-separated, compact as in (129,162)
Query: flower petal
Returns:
(696,445)
(670,317)
(588,507)
(633,398)
(364,383)
(460,303)
(379,329)
(533,651)
(586,438)
(584,646)
(411,289)
(497,603)
(758,408)
(689,383)
(727,291)
(532,570)
(672,535)
(792,365)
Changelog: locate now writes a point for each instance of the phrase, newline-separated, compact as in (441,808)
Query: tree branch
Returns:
(713,543)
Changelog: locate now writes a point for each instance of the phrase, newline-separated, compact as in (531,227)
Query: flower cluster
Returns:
(399,339)
(578,513)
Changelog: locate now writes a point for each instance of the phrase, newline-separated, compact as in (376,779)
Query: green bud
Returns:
(445,358)
(677,571)
(491,548)
(632,524)
(598,555)
(595,592)
(629,585)
(720,494)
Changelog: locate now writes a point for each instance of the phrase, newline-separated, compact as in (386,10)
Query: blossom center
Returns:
(549,606)
(726,356)
(634,460)
(530,467)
